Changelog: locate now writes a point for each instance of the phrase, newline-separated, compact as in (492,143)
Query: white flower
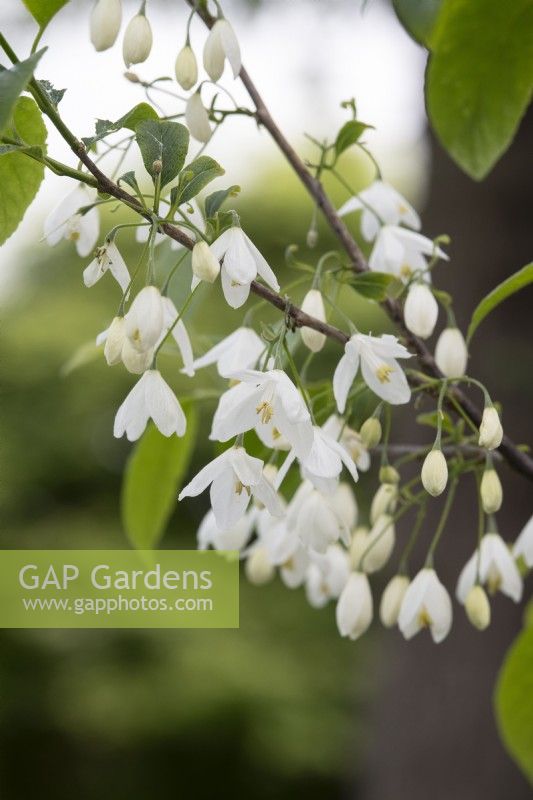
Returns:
(336,427)
(179,334)
(313,304)
(151,397)
(241,264)
(107,258)
(258,568)
(426,604)
(371,432)
(402,252)
(66,222)
(327,576)
(106,17)
(490,430)
(477,608)
(284,548)
(451,354)
(238,351)
(186,68)
(381,204)
(381,372)
(379,544)
(268,399)
(325,460)
(434,473)
(136,361)
(233,538)
(491,491)
(114,339)
(421,310)
(205,265)
(316,519)
(384,501)
(354,608)
(221,44)
(137,41)
(234,477)
(345,504)
(358,545)
(524,544)
(197,118)
(493,566)
(391,600)
(145,319)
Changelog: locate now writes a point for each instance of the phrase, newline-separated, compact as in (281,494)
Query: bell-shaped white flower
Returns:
(186,68)
(421,310)
(477,607)
(379,544)
(241,263)
(358,545)
(221,44)
(391,600)
(381,204)
(234,478)
(150,398)
(106,18)
(136,361)
(138,40)
(336,427)
(145,319)
(384,501)
(234,538)
(346,505)
(268,399)
(107,258)
(490,430)
(316,519)
(523,547)
(327,576)
(492,566)
(197,118)
(205,265)
(66,221)
(355,607)
(402,252)
(426,604)
(325,461)
(451,354)
(491,491)
(239,351)
(285,549)
(377,356)
(114,339)
(434,472)
(258,568)
(313,304)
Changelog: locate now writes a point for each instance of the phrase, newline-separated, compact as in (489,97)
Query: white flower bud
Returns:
(370,432)
(421,310)
(137,40)
(491,491)
(354,608)
(258,568)
(186,68)
(490,430)
(220,44)
(114,342)
(383,501)
(343,501)
(434,473)
(358,545)
(313,305)
(106,17)
(135,361)
(145,319)
(197,118)
(391,600)
(477,608)
(388,474)
(451,354)
(205,265)
(380,543)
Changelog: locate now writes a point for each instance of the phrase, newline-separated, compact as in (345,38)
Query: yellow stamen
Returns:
(424,620)
(275,433)
(265,411)
(383,372)
(405,271)
(239,487)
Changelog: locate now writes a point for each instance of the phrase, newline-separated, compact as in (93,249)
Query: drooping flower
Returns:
(113,340)
(402,253)
(355,607)
(327,576)
(451,354)
(384,501)
(371,432)
(179,334)
(381,204)
(258,568)
(66,221)
(380,369)
(313,304)
(426,604)
(138,40)
(325,460)
(391,600)
(379,544)
(145,319)
(221,44)
(434,472)
(421,310)
(491,491)
(523,547)
(205,265)
(352,441)
(241,263)
(490,430)
(150,398)
(186,68)
(233,538)
(238,351)
(477,607)
(234,477)
(316,519)
(107,258)
(197,118)
(284,548)
(492,566)
(106,18)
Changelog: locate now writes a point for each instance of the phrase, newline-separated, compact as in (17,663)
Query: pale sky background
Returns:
(304,56)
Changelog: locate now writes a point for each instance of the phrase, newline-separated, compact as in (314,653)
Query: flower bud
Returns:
(115,341)
(312,237)
(391,600)
(313,305)
(106,17)
(197,118)
(354,608)
(370,432)
(358,545)
(383,501)
(343,501)
(205,265)
(380,544)
(388,474)
(421,310)
(258,568)
(186,68)
(490,430)
(145,320)
(221,43)
(477,608)
(451,354)
(157,166)
(434,473)
(137,40)
(491,491)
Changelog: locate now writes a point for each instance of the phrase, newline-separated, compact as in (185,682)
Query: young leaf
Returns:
(130,120)
(54,95)
(508,287)
(214,201)
(418,17)
(20,176)
(349,134)
(479,78)
(154,474)
(43,10)
(372,285)
(165,141)
(12,83)
(196,175)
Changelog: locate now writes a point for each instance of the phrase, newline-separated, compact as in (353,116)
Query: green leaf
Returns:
(508,287)
(479,78)
(214,201)
(12,83)
(513,702)
(418,17)
(195,177)
(130,120)
(431,418)
(43,10)
(349,134)
(372,285)
(20,176)
(165,141)
(153,476)
(54,95)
